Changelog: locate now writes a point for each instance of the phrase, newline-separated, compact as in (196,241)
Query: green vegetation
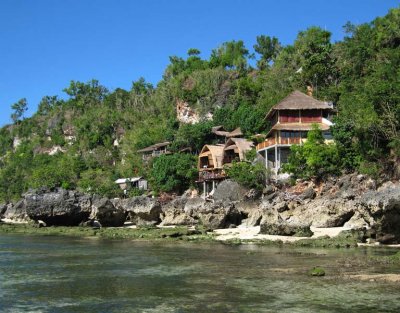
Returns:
(178,233)
(247,174)
(314,158)
(176,172)
(97,131)
(317,271)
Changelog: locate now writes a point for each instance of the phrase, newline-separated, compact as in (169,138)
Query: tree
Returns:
(268,47)
(193,51)
(85,95)
(47,104)
(231,54)
(19,108)
(194,136)
(313,49)
(314,158)
(174,172)
(248,175)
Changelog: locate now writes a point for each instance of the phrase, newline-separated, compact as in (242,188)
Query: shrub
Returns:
(247,174)
(314,158)
(174,172)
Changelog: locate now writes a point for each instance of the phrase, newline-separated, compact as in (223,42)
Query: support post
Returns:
(204,190)
(276,159)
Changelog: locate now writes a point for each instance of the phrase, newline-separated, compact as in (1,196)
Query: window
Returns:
(327,135)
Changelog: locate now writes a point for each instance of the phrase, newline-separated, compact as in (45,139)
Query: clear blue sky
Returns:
(44,44)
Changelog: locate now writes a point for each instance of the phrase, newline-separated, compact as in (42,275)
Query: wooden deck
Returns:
(281,141)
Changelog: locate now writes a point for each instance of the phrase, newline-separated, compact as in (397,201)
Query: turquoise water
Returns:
(58,274)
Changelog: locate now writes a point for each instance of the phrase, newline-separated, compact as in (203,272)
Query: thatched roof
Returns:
(298,126)
(239,145)
(214,153)
(154,147)
(299,101)
(219,131)
(235,133)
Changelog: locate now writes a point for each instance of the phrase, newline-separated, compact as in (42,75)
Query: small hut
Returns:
(210,166)
(235,149)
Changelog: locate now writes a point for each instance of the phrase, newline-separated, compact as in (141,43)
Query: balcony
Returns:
(281,141)
(267,143)
(290,141)
(211,175)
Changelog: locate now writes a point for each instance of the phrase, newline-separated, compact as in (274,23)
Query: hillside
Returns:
(90,139)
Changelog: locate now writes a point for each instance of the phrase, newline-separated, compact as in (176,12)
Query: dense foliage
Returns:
(90,138)
(248,175)
(314,158)
(174,173)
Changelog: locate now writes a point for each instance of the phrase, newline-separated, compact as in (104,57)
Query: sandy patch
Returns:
(8,221)
(392,278)
(252,233)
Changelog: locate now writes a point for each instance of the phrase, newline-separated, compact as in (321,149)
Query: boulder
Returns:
(309,193)
(143,210)
(219,215)
(229,190)
(58,207)
(285,228)
(253,218)
(175,217)
(386,198)
(17,212)
(3,209)
(104,211)
(325,212)
(195,205)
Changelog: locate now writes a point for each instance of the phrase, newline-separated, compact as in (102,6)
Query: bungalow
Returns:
(155,150)
(291,119)
(235,150)
(213,158)
(130,183)
(223,135)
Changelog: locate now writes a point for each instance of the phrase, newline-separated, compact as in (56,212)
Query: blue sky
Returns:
(44,44)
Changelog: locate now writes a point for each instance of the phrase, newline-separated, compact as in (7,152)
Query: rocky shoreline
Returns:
(353,203)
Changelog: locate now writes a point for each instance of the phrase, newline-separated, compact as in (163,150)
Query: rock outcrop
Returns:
(104,211)
(142,210)
(58,207)
(350,201)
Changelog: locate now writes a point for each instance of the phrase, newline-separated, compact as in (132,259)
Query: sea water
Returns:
(62,274)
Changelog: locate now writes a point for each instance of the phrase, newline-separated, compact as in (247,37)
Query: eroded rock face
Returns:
(17,212)
(383,206)
(143,210)
(285,228)
(104,211)
(229,190)
(3,209)
(219,215)
(59,207)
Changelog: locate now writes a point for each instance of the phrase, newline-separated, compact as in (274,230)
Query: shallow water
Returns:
(59,274)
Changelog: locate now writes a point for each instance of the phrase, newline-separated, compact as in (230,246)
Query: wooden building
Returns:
(130,183)
(213,158)
(291,119)
(221,135)
(155,150)
(235,150)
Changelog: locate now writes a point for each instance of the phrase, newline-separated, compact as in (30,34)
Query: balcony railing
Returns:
(281,140)
(268,142)
(290,141)
(208,175)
